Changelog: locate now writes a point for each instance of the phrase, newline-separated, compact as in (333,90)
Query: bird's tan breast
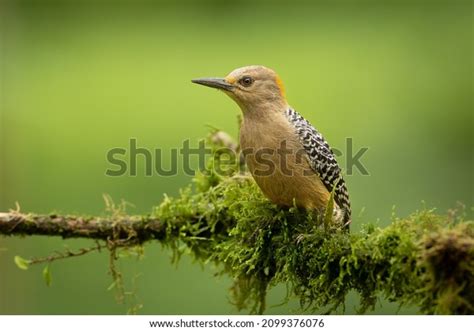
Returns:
(279,164)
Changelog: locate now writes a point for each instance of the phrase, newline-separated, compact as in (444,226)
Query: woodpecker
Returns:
(289,159)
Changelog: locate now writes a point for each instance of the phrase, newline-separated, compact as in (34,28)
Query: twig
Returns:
(66,254)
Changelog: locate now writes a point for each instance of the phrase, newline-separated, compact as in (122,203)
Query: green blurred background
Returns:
(81,77)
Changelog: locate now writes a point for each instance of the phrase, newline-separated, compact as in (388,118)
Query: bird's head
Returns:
(254,88)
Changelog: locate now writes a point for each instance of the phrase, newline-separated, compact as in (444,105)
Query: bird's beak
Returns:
(219,83)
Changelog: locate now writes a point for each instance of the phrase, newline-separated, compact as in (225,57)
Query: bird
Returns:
(288,158)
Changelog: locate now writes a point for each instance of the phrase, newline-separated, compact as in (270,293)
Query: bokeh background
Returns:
(81,77)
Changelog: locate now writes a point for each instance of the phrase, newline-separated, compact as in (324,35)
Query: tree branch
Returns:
(136,229)
(425,259)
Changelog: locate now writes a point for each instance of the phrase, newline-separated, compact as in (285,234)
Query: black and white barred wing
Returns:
(322,160)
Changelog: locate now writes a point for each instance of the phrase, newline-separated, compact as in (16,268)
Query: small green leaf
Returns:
(21,263)
(329,211)
(47,275)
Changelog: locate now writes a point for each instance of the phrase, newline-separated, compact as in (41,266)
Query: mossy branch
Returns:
(425,259)
(132,229)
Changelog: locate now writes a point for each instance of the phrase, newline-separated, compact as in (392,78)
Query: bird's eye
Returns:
(246,81)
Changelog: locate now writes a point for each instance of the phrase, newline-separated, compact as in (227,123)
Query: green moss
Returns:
(425,260)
